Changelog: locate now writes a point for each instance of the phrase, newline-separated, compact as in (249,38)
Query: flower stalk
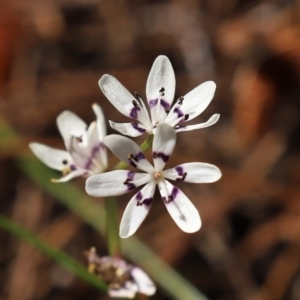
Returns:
(112,227)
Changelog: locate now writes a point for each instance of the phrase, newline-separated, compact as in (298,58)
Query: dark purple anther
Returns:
(161,155)
(180,100)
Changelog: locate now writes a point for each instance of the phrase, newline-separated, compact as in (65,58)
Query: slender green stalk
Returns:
(112,227)
(147,144)
(60,257)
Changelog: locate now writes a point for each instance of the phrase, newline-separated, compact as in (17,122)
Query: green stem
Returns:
(147,144)
(60,257)
(112,226)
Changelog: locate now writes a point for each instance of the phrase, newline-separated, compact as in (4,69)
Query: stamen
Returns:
(128,181)
(66,170)
(183,176)
(180,100)
(156,175)
(135,104)
(161,91)
(65,162)
(138,98)
(186,117)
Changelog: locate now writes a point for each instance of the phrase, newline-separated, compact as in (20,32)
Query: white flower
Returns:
(120,182)
(123,279)
(86,152)
(160,92)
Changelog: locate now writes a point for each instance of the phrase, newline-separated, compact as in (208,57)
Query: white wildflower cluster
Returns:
(86,154)
(122,279)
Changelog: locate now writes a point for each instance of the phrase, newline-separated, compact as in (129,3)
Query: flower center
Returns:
(156,175)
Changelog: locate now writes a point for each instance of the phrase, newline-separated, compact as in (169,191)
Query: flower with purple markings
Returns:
(120,182)
(123,279)
(86,153)
(160,90)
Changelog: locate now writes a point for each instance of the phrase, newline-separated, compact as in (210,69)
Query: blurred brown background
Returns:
(52,54)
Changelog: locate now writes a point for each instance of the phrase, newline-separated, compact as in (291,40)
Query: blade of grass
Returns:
(80,203)
(58,256)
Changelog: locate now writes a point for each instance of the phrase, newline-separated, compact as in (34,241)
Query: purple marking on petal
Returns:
(95,150)
(141,201)
(165,104)
(181,173)
(179,170)
(152,103)
(171,197)
(139,196)
(133,159)
(139,156)
(130,186)
(130,175)
(178,112)
(128,183)
(136,127)
(73,167)
(161,155)
(134,112)
(147,201)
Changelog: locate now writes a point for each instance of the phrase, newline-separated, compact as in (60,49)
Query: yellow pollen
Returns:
(66,171)
(156,175)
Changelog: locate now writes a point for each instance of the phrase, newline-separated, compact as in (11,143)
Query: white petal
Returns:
(212,120)
(123,100)
(117,94)
(163,144)
(160,88)
(71,175)
(125,292)
(181,209)
(79,152)
(94,155)
(128,151)
(194,172)
(114,183)
(54,158)
(145,284)
(69,124)
(131,129)
(101,125)
(137,210)
(193,103)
